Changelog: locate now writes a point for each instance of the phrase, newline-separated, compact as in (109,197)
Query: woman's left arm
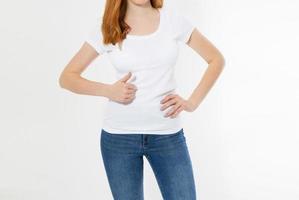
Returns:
(201,45)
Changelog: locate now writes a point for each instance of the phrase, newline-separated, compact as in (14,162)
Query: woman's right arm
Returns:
(72,80)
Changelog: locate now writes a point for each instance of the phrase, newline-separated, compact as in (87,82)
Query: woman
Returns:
(141,39)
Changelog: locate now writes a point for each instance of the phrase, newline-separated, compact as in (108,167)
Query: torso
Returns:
(151,59)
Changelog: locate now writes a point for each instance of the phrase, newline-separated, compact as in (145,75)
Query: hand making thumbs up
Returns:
(122,91)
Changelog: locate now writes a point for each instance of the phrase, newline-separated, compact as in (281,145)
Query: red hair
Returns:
(114,28)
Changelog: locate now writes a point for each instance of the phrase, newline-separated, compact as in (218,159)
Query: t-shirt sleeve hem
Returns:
(96,48)
(94,39)
(187,36)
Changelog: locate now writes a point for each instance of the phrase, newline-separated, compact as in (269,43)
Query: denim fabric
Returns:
(167,154)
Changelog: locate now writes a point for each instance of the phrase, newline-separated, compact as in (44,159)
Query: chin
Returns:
(139,2)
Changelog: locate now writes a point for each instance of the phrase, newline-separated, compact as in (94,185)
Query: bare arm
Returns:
(200,44)
(71,78)
(203,47)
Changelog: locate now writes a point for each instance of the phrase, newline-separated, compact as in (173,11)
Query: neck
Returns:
(139,10)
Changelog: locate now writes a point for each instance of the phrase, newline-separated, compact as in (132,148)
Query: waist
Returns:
(139,117)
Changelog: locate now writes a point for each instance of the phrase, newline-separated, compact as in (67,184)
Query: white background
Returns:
(243,138)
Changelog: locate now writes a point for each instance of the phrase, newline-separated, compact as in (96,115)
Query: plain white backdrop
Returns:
(243,138)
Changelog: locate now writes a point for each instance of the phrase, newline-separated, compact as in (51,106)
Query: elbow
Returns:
(62,81)
(67,79)
(220,60)
(217,61)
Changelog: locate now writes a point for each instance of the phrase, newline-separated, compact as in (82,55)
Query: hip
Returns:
(131,142)
(139,118)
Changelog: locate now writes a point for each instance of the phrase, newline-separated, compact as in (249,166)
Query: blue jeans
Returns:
(168,157)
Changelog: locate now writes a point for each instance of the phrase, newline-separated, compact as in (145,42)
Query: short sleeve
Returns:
(95,39)
(182,27)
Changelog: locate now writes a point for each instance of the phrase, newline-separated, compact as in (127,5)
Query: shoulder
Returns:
(95,37)
(94,31)
(174,16)
(180,25)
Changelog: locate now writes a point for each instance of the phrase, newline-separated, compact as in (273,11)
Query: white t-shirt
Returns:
(151,59)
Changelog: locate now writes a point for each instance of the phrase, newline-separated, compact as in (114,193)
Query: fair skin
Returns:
(143,20)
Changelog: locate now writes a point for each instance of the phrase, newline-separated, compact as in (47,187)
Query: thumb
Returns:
(126,77)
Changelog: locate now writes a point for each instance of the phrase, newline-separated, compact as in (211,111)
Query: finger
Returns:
(129,96)
(172,110)
(132,89)
(166,98)
(126,77)
(180,109)
(168,103)
(130,92)
(128,99)
(130,86)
